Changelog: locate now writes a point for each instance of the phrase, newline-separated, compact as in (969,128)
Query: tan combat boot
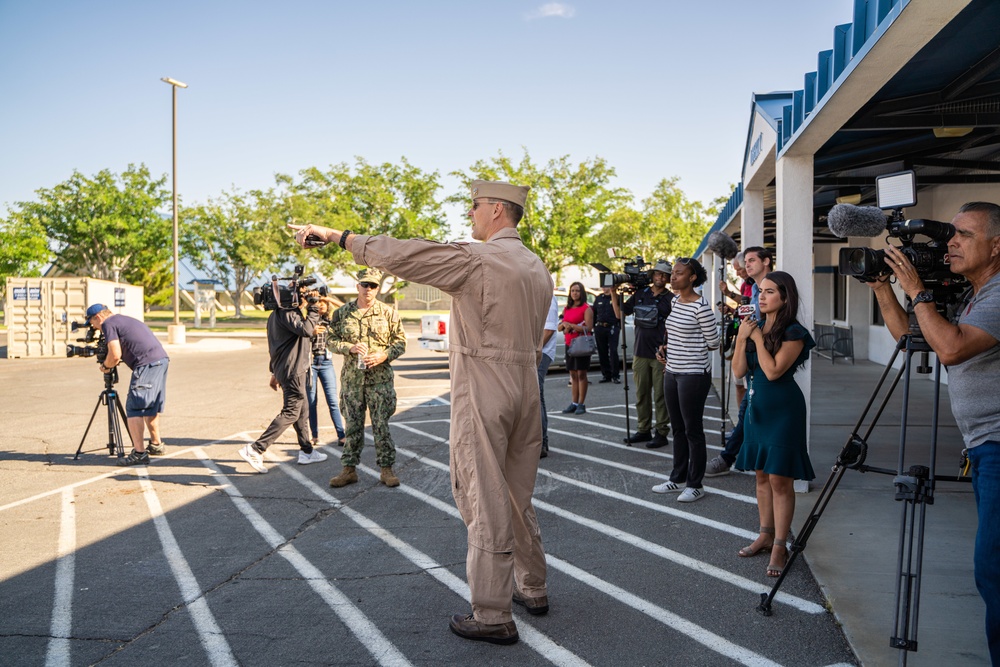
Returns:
(388,477)
(346,476)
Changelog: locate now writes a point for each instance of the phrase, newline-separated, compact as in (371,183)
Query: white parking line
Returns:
(535,639)
(212,640)
(377,644)
(58,651)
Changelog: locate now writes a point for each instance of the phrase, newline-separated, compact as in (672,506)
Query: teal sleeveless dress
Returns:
(774,435)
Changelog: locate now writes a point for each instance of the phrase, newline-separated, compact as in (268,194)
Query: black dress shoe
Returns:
(640,436)
(604,381)
(545,453)
(468,627)
(617,380)
(657,442)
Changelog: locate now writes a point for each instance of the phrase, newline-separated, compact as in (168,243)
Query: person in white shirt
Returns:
(548,356)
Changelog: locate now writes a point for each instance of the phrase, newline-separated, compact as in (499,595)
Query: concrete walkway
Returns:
(853,549)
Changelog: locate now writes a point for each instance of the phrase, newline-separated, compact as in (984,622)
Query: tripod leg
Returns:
(802,537)
(100,399)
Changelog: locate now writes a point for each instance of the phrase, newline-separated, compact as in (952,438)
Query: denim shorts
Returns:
(147,391)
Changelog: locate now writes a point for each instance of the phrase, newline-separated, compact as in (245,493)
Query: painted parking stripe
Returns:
(211,636)
(61,627)
(536,640)
(377,644)
(663,552)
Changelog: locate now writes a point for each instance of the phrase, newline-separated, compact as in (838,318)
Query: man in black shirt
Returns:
(650,306)
(289,342)
(606,329)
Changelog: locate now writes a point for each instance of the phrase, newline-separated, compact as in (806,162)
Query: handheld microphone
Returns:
(846,220)
(723,245)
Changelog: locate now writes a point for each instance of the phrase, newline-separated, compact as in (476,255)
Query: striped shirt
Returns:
(691,331)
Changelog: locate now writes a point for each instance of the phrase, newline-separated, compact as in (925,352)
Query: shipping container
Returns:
(39,312)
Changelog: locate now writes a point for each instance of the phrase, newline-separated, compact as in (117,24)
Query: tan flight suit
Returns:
(500,294)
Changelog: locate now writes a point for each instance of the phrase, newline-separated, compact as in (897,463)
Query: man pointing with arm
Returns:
(501,294)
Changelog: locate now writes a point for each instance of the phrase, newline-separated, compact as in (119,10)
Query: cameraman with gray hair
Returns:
(968,347)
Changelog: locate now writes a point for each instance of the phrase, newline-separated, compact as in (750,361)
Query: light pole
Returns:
(175,333)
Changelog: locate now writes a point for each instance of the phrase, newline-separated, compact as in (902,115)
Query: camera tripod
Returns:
(624,370)
(109,398)
(914,487)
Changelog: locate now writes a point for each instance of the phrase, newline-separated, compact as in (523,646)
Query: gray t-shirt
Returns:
(975,402)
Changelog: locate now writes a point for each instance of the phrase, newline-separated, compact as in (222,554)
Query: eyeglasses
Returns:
(477,204)
(684,260)
(368,285)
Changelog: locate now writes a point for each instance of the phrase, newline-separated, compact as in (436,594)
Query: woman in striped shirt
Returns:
(691,332)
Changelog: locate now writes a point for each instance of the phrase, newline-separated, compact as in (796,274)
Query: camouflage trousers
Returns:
(380,402)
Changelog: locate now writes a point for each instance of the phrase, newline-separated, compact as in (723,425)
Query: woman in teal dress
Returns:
(774,442)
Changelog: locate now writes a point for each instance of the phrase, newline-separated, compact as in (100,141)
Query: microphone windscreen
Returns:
(846,220)
(723,245)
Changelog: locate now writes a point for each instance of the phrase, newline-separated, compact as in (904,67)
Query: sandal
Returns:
(754,549)
(775,570)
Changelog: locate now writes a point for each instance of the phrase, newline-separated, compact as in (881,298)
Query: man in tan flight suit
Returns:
(500,294)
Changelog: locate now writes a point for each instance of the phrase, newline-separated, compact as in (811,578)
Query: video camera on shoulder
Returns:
(94,343)
(636,274)
(894,192)
(289,293)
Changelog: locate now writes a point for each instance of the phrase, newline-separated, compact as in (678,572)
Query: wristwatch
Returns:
(343,239)
(924,296)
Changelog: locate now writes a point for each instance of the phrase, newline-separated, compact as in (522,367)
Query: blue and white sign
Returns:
(26,293)
(119,297)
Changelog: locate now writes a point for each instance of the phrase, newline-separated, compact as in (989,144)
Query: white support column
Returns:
(794,250)
(752,227)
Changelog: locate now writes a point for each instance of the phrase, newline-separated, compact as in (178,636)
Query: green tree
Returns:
(668,225)
(398,200)
(24,248)
(566,206)
(235,238)
(106,226)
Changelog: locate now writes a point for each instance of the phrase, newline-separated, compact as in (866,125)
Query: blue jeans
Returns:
(322,368)
(543,369)
(986,485)
(735,440)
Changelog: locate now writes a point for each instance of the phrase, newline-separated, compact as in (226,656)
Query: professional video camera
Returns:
(94,343)
(288,293)
(636,275)
(930,259)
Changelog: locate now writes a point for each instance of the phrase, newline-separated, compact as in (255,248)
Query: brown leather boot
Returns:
(468,627)
(388,477)
(346,476)
(535,606)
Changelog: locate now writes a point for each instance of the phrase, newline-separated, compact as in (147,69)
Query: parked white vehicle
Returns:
(434,331)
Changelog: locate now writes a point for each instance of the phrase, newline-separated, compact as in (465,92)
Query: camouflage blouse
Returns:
(379,327)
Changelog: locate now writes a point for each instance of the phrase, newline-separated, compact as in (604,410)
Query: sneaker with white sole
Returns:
(717,467)
(667,487)
(253,457)
(313,457)
(689,495)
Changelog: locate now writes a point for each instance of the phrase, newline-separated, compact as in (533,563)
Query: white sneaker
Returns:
(690,495)
(253,457)
(315,457)
(667,487)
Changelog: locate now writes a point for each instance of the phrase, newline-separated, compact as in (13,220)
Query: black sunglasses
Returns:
(369,285)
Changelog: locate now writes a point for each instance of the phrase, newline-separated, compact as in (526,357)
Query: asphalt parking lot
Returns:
(198,559)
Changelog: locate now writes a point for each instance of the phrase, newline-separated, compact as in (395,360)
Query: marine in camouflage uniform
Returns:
(374,334)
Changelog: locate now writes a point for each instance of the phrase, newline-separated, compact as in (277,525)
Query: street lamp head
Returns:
(173,82)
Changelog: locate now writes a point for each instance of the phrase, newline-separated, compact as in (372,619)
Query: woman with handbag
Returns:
(578,325)
(691,332)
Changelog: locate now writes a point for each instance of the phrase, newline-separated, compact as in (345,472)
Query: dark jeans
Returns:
(985,459)
(322,371)
(607,350)
(735,440)
(685,396)
(294,412)
(543,369)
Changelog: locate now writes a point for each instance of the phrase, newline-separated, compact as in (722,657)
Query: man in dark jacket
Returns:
(288,341)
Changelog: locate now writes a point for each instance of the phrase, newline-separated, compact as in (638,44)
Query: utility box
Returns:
(39,311)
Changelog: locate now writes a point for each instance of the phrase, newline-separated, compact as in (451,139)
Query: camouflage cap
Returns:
(370,275)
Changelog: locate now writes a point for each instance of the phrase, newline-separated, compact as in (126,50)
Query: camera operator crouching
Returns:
(650,307)
(968,347)
(289,342)
(132,342)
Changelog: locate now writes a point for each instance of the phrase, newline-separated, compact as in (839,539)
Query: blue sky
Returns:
(658,89)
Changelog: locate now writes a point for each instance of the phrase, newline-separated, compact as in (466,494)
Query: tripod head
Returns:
(111,379)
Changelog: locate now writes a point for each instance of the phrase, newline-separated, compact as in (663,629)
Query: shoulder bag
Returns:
(583,345)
